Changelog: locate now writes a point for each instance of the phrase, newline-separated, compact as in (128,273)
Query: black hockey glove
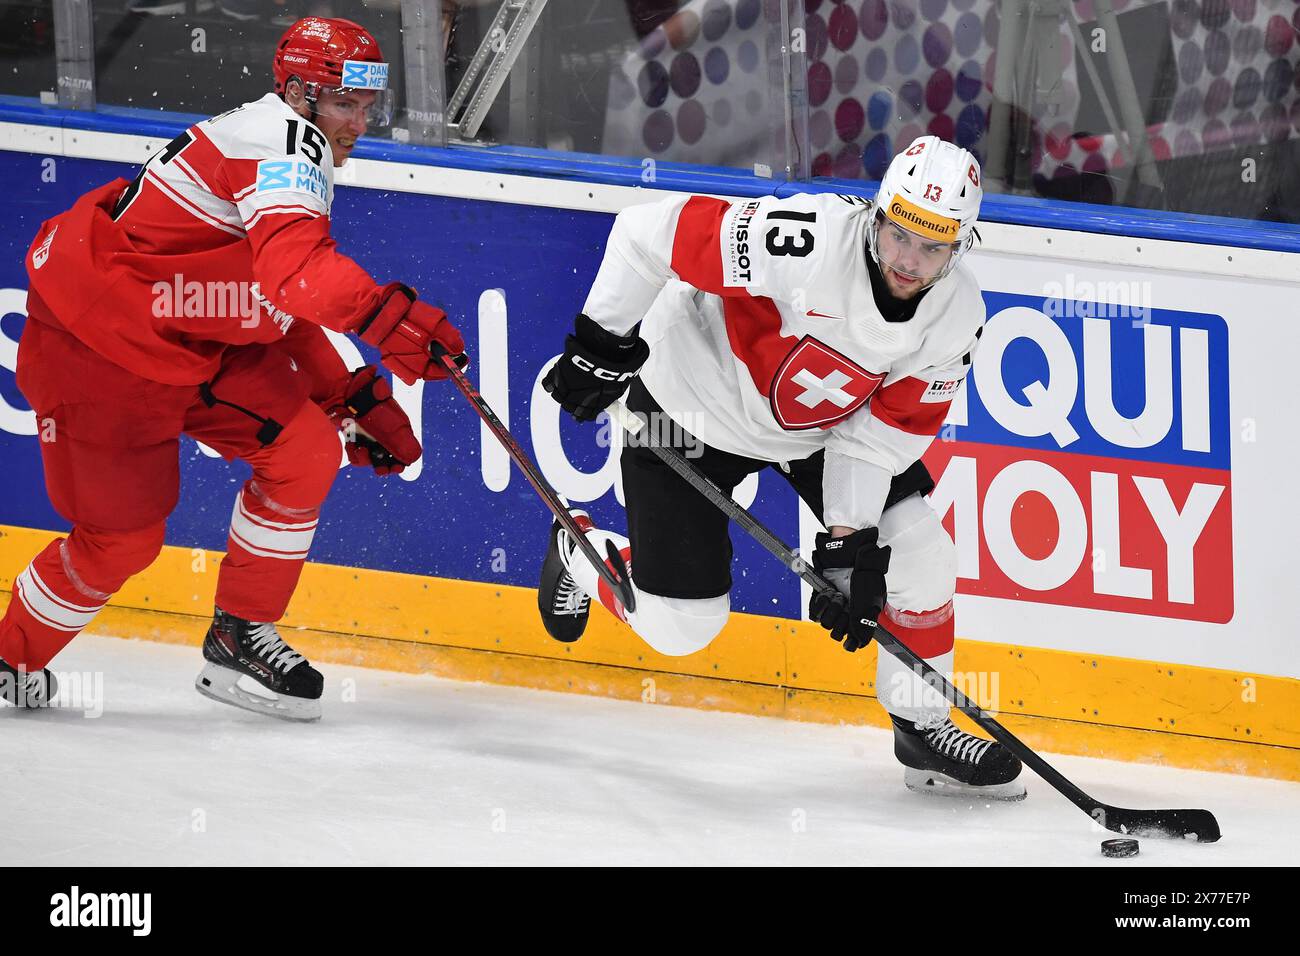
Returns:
(856,565)
(596,368)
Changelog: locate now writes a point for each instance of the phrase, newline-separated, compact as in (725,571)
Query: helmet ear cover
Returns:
(309,96)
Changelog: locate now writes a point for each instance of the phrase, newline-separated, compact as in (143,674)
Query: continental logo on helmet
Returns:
(921,221)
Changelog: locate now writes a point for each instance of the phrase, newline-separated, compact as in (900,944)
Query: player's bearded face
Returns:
(342,117)
(909,262)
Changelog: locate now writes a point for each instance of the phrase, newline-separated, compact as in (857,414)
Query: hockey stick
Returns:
(614,573)
(1199,825)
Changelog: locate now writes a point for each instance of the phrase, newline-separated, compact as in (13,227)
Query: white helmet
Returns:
(932,190)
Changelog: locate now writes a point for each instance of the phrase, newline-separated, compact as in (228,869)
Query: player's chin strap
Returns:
(1199,825)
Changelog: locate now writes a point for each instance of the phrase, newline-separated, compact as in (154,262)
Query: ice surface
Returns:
(418,770)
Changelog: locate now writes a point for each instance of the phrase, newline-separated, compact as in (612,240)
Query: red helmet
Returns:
(333,54)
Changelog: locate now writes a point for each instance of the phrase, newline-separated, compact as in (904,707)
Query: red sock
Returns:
(927,633)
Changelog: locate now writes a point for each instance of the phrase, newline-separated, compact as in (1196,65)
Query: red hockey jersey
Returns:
(222,239)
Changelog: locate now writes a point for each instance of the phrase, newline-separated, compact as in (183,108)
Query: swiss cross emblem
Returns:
(815,387)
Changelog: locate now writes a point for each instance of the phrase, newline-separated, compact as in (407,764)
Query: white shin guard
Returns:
(672,626)
(906,695)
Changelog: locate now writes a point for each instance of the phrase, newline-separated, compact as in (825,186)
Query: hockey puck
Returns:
(1119,848)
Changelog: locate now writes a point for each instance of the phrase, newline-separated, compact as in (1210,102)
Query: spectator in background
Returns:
(648,14)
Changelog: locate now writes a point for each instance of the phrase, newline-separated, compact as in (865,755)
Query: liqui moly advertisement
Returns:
(1087,461)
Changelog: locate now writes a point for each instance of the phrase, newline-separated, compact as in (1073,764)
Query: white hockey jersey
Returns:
(766,340)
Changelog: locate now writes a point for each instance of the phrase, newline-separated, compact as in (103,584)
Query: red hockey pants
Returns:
(110,447)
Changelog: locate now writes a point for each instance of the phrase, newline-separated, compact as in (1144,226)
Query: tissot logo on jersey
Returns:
(1092,461)
(298,175)
(816,386)
(737,261)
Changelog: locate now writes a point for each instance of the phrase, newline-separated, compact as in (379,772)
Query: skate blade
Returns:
(222,684)
(941,785)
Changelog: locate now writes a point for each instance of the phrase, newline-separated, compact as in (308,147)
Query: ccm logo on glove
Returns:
(603,373)
(856,565)
(595,370)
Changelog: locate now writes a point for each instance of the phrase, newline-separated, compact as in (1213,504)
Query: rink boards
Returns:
(1114,475)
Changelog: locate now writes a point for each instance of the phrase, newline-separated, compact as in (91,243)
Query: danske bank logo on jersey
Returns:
(1087,462)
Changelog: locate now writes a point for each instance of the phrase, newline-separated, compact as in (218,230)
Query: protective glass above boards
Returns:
(700,82)
(1185,106)
(27,60)
(1189,106)
(206,56)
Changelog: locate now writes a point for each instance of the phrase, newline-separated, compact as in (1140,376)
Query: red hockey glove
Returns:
(375,428)
(403,328)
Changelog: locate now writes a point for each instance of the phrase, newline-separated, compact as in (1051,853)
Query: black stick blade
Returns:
(617,565)
(1196,825)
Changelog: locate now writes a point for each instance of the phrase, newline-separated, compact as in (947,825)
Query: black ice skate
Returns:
(564,606)
(942,758)
(250,666)
(29,691)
